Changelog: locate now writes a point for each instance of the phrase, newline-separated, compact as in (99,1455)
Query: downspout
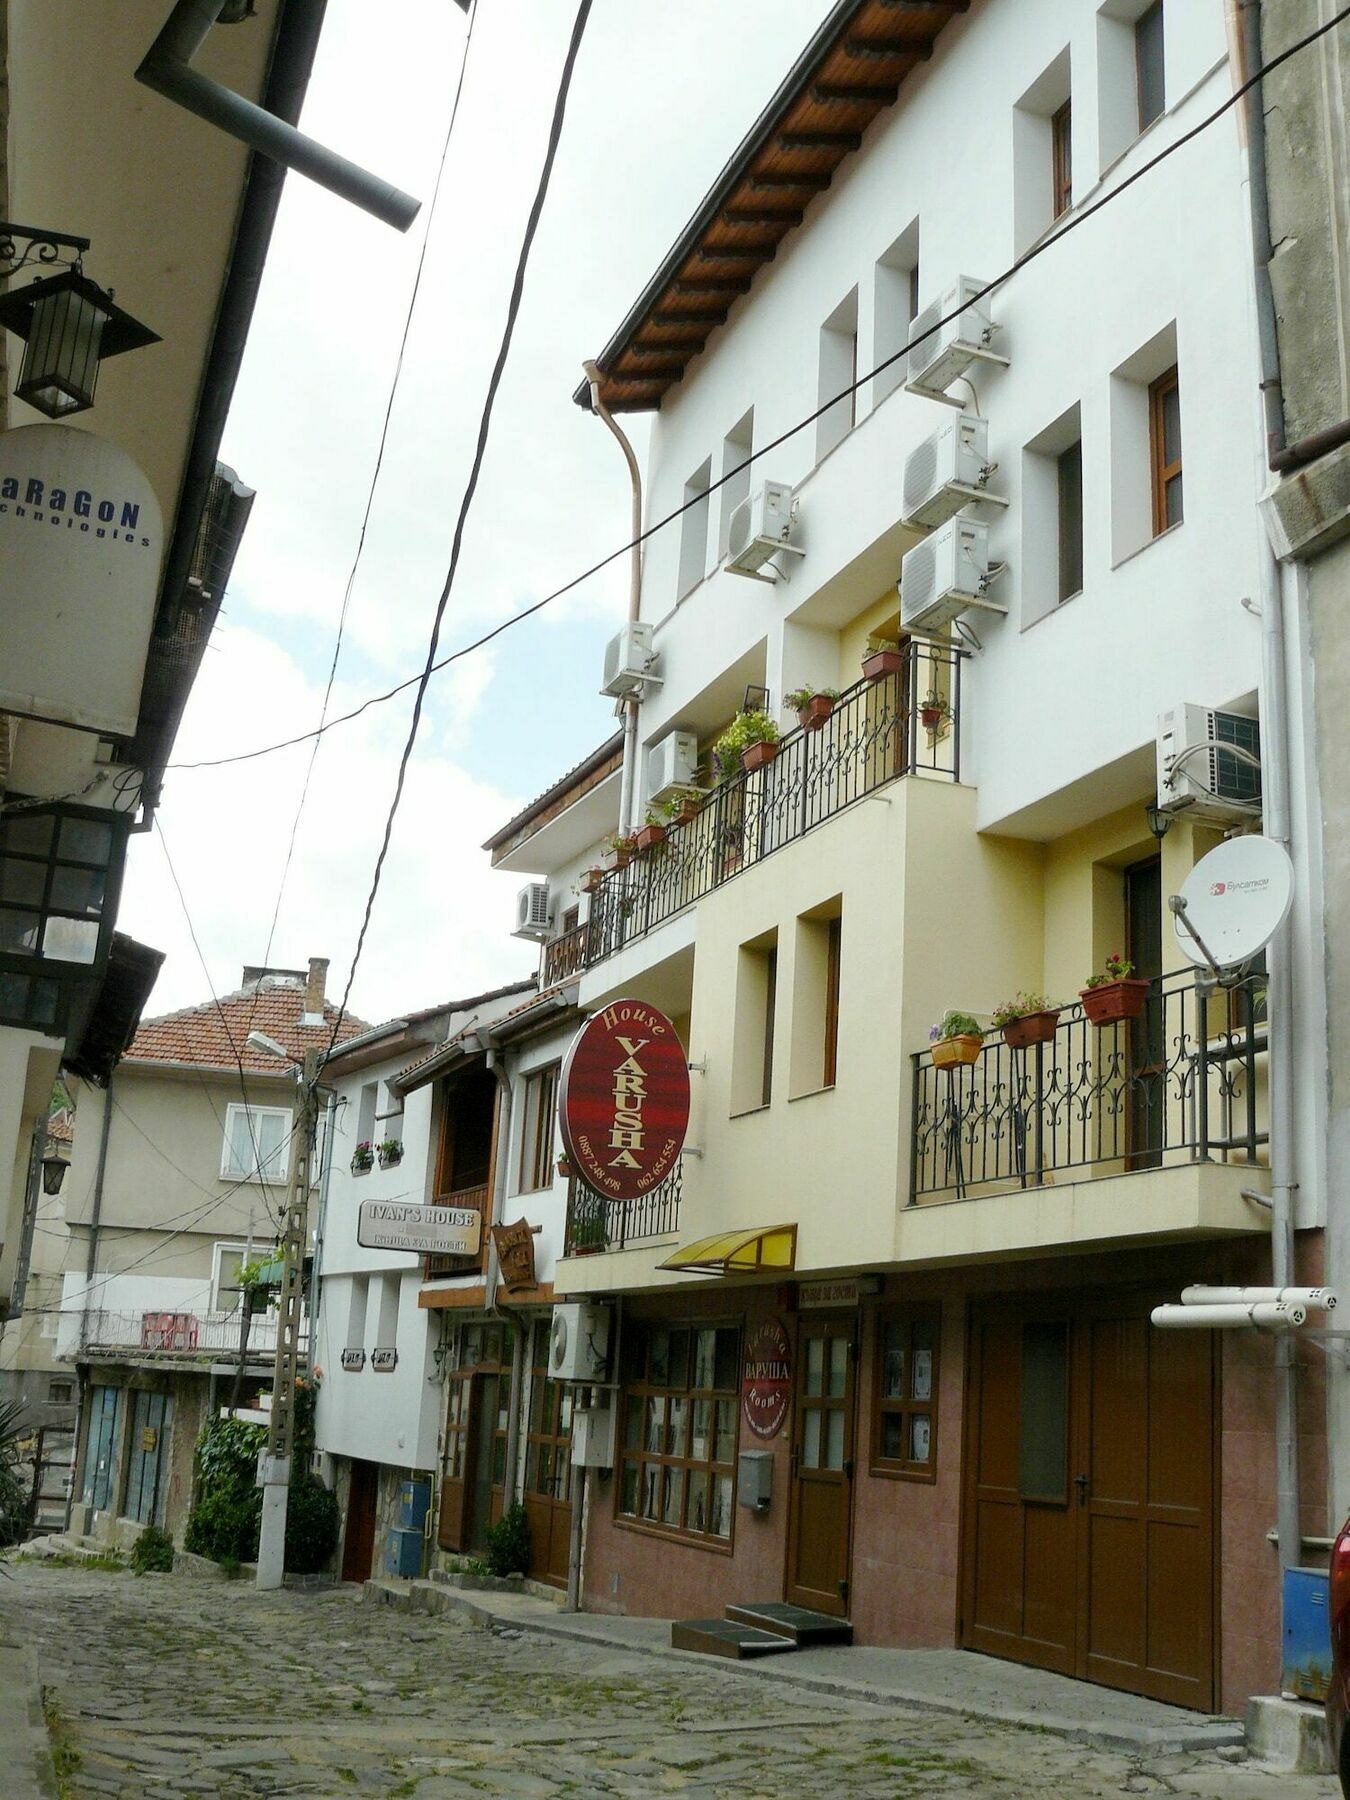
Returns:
(1275,757)
(81,1450)
(628,787)
(507,1314)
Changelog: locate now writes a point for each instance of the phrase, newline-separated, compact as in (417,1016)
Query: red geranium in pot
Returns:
(1116,994)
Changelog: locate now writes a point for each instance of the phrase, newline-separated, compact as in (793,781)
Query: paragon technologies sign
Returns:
(80,545)
(423,1230)
(624,1100)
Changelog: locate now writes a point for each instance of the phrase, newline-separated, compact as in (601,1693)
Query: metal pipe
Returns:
(1258,207)
(1308,449)
(1316,1298)
(96,1209)
(507,1314)
(167,69)
(1266,1315)
(628,783)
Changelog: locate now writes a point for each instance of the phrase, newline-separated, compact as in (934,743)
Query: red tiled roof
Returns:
(211,1033)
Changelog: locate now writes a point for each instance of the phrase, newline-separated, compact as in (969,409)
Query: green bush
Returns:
(13,1489)
(223,1523)
(508,1543)
(311,1526)
(152,1553)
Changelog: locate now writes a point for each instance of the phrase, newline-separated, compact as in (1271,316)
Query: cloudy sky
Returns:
(653,115)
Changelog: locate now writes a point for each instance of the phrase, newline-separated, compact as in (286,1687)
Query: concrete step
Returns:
(720,1637)
(799,1623)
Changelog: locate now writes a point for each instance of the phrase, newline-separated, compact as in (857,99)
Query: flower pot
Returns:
(362,1165)
(565,1168)
(688,811)
(390,1159)
(649,836)
(619,859)
(591,880)
(950,1053)
(1110,1001)
(757,755)
(814,714)
(879,663)
(931,717)
(1031,1028)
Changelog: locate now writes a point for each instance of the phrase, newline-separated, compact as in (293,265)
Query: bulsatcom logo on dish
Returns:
(1219,888)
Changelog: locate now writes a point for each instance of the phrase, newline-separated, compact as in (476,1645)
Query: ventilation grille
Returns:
(920,474)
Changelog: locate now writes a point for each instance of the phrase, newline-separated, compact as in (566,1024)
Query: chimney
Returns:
(314,990)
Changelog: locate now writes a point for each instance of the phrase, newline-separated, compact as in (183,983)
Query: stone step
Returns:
(720,1637)
(798,1623)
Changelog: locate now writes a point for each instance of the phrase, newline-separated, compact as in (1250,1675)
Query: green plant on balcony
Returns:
(650,834)
(682,807)
(588,1231)
(934,711)
(812,705)
(1115,993)
(363,1157)
(750,741)
(390,1152)
(883,656)
(620,846)
(1027,1019)
(958,1037)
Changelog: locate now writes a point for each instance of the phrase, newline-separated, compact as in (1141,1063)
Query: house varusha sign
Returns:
(766,1381)
(424,1230)
(80,547)
(623,1104)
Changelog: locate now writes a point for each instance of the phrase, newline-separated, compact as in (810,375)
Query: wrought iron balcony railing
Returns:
(1184,1082)
(595,1222)
(473,1199)
(878,731)
(564,956)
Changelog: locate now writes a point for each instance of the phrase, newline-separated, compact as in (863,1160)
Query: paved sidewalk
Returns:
(25,1760)
(950,1681)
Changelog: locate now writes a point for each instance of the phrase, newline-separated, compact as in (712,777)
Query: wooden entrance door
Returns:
(822,1466)
(1089,1515)
(358,1543)
(148,1458)
(548,1470)
(474,1467)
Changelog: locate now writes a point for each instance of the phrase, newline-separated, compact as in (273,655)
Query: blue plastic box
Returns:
(1307,1634)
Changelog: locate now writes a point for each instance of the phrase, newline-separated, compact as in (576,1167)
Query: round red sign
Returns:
(766,1385)
(623,1103)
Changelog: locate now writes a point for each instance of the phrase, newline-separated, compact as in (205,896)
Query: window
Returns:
(1061,155)
(833,935)
(365,1112)
(736,448)
(770,1007)
(55,881)
(1164,437)
(1069,483)
(895,306)
(678,1463)
(838,371)
(1148,64)
(536,1130)
(694,530)
(753,1040)
(1043,1432)
(905,1436)
(228,1260)
(813,1037)
(257,1139)
(60,1393)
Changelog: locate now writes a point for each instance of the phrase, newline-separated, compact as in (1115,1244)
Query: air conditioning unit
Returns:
(946,575)
(628,662)
(761,526)
(938,356)
(1196,775)
(534,915)
(671,765)
(578,1348)
(947,472)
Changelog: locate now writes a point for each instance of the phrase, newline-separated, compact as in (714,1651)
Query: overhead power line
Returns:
(1038,250)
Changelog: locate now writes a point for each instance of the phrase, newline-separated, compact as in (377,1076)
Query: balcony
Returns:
(473,1199)
(565,956)
(874,735)
(178,1337)
(595,1222)
(1183,1083)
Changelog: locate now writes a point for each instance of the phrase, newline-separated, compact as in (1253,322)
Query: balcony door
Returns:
(1145,1041)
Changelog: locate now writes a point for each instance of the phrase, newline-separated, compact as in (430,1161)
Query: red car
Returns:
(1338,1694)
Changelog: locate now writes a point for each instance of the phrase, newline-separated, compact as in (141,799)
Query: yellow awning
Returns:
(766,1248)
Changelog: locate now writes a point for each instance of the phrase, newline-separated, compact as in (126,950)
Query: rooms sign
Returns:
(623,1103)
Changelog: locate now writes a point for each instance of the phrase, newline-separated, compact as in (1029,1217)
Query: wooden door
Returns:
(100,1458)
(1089,1508)
(821,1510)
(474,1464)
(358,1543)
(548,1471)
(148,1458)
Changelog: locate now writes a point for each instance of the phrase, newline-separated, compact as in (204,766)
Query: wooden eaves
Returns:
(849,72)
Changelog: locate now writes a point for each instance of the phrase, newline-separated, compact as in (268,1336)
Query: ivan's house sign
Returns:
(624,1101)
(80,547)
(424,1230)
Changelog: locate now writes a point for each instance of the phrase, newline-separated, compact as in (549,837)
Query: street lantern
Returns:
(70,325)
(53,1172)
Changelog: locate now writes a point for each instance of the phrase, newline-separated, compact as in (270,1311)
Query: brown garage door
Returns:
(1089,1518)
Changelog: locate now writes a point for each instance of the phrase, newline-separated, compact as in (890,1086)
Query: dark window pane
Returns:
(659,1368)
(77,890)
(727,1371)
(1148,50)
(679,1359)
(22,882)
(1044,1448)
(1171,421)
(85,840)
(13,997)
(1172,498)
(628,1498)
(1069,474)
(42,1002)
(893,1366)
(19,931)
(893,1435)
(30,833)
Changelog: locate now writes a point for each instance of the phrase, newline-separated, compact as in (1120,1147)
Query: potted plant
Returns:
(882,658)
(621,845)
(934,711)
(390,1152)
(363,1158)
(566,1167)
(1115,994)
(812,705)
(682,808)
(591,879)
(958,1037)
(588,1232)
(1027,1019)
(648,836)
(751,740)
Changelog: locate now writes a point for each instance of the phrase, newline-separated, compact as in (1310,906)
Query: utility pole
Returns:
(274,1463)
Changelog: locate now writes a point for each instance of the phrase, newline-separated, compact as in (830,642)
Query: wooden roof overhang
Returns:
(849,72)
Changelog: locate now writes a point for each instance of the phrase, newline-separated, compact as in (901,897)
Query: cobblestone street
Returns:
(159,1688)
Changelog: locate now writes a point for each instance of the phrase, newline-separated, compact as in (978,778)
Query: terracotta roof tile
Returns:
(211,1033)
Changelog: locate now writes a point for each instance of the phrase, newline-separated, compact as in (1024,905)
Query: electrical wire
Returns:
(1037,250)
(470,487)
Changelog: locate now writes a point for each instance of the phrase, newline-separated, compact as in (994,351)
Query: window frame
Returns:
(255,1174)
(640,1387)
(1144,42)
(834,933)
(770,1023)
(907,1406)
(538,1130)
(1162,472)
(1063,561)
(42,969)
(1061,160)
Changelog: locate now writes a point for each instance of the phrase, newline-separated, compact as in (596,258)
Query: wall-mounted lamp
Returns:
(53,1172)
(68,323)
(756,699)
(1159,822)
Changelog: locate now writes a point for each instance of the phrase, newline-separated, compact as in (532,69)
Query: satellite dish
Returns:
(1234,900)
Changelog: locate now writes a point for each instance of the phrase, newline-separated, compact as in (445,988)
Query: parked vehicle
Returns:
(1338,1694)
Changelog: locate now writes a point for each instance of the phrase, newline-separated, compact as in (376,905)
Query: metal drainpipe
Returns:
(1275,802)
(628,786)
(507,1314)
(316,1280)
(96,1211)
